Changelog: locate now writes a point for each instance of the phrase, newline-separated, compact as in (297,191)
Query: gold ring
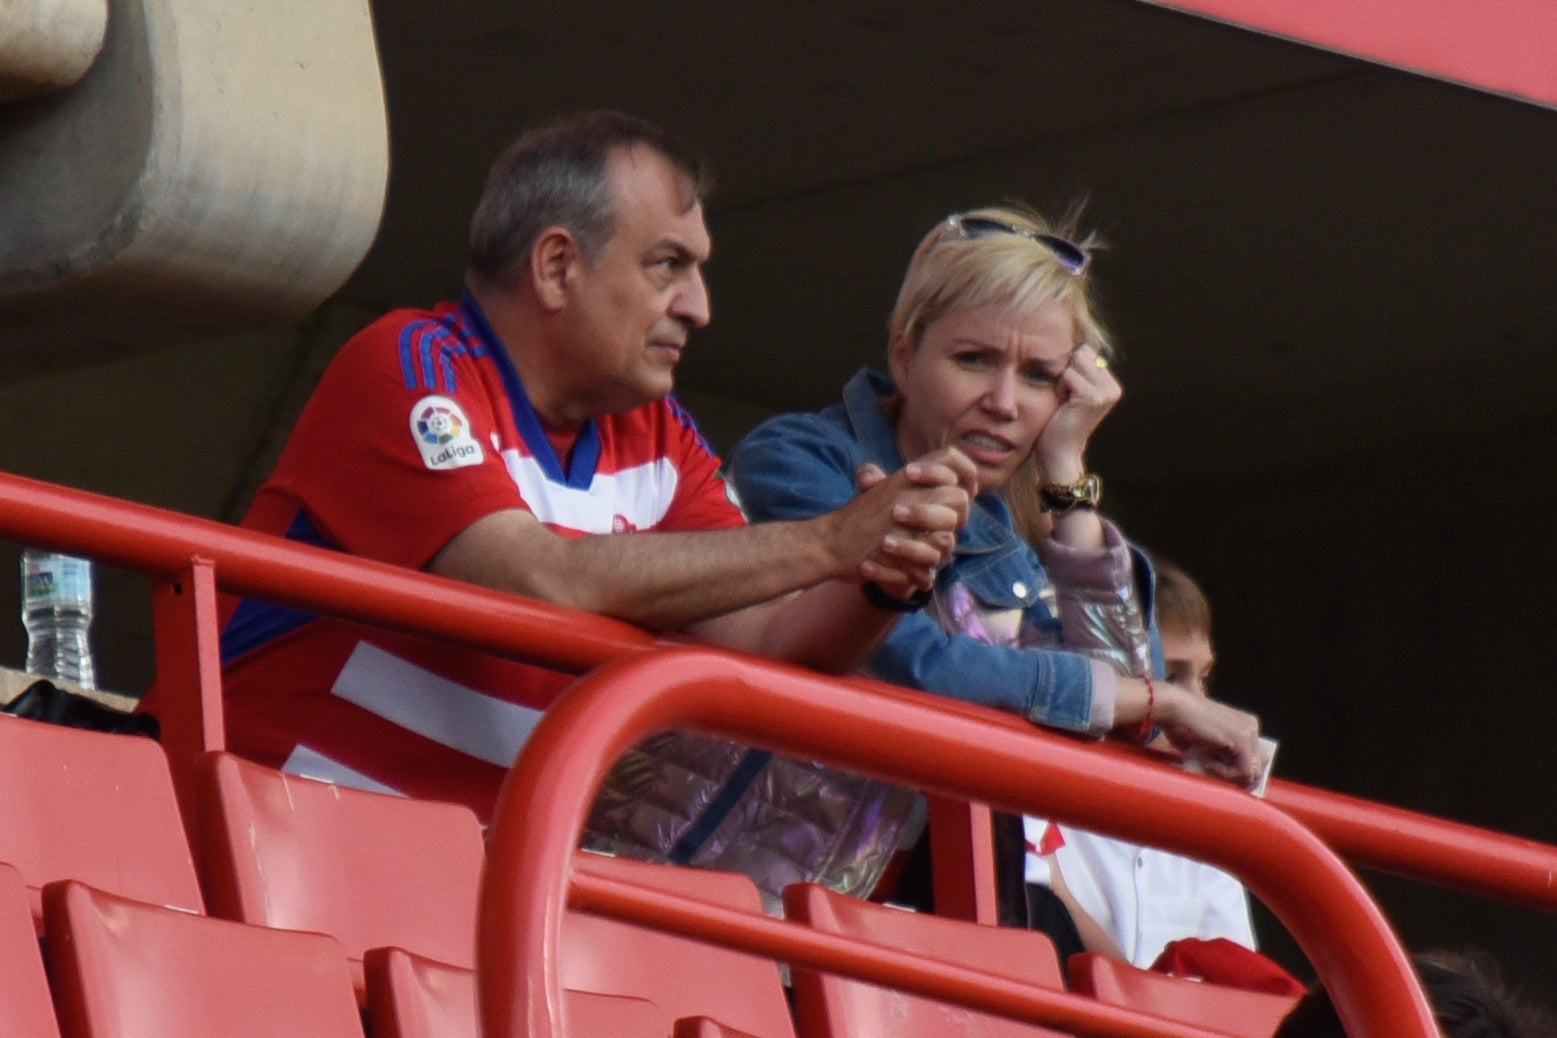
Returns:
(1101,361)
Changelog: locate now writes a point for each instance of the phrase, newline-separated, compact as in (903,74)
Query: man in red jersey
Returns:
(524,439)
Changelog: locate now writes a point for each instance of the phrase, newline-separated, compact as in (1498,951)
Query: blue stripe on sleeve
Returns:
(256,623)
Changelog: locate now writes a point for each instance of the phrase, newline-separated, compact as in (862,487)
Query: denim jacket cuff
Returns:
(1105,697)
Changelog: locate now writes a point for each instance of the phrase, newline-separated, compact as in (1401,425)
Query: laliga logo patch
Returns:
(442,434)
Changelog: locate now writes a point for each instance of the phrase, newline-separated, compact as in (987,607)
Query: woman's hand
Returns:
(1223,740)
(1087,391)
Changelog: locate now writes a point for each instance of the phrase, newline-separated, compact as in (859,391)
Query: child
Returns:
(1130,902)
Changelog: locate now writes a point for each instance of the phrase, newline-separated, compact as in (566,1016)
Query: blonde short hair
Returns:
(1006,263)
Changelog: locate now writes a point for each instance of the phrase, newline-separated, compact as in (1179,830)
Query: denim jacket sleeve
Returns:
(1048,687)
(801,465)
(795,466)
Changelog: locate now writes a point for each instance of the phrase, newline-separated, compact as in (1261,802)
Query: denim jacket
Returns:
(696,799)
(1085,613)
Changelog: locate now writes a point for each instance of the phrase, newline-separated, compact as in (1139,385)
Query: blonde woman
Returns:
(994,349)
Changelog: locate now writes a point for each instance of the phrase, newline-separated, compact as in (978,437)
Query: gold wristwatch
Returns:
(1059,498)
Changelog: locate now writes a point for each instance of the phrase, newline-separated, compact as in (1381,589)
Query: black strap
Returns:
(746,771)
(45,701)
(876,596)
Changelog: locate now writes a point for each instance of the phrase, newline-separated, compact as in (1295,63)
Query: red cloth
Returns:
(1220,961)
(1052,841)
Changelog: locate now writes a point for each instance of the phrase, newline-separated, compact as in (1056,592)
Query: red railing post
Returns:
(189,671)
(962,860)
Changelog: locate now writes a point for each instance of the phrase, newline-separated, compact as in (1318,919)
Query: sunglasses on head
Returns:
(1072,257)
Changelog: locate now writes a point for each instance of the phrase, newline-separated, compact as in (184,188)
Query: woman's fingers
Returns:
(1087,393)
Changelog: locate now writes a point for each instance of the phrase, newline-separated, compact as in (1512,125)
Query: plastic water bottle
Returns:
(57,612)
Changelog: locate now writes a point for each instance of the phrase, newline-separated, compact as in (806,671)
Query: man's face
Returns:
(644,293)
(1189,658)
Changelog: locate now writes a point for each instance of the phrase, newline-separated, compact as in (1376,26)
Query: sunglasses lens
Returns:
(978,226)
(1070,255)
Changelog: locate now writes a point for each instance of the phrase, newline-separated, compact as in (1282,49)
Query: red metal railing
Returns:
(976,753)
(1416,846)
(1423,848)
(903,737)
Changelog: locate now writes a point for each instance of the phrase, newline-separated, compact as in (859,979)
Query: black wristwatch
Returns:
(1060,498)
(881,600)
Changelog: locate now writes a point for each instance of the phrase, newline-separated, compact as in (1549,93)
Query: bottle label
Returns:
(57,579)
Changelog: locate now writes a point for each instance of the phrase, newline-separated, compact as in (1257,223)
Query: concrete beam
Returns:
(48,44)
(222,165)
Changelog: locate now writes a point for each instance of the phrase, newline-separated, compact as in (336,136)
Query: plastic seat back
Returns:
(26,1010)
(126,969)
(95,807)
(413,997)
(684,977)
(620,1016)
(1253,1014)
(703,1027)
(829,1006)
(369,869)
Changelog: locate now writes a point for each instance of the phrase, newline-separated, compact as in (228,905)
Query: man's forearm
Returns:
(667,581)
(897,530)
(831,627)
(662,581)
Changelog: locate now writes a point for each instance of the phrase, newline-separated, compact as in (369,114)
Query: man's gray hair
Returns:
(555,176)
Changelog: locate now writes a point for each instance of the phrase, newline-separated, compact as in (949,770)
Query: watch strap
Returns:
(876,596)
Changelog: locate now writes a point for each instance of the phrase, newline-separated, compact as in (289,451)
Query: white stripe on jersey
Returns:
(641,494)
(310,763)
(434,707)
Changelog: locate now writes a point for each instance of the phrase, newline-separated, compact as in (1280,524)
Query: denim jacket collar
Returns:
(989,522)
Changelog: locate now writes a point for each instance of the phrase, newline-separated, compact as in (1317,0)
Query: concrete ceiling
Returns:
(1308,252)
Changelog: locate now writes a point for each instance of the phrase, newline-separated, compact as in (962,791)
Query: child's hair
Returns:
(1181,605)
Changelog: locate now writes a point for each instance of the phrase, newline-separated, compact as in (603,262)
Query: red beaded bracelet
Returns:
(1143,731)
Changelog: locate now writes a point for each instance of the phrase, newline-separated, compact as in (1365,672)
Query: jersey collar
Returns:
(586,449)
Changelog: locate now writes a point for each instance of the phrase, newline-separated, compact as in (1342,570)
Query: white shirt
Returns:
(1144,898)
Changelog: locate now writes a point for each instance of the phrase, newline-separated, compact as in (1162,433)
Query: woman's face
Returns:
(983,381)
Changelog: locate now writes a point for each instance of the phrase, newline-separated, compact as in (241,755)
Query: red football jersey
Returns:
(419,428)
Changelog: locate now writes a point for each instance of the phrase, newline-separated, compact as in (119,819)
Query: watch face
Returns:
(1061,497)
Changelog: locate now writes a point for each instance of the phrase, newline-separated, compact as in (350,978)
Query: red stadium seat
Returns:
(1251,1014)
(127,969)
(413,997)
(25,1008)
(621,979)
(99,808)
(620,1016)
(370,870)
(737,991)
(703,1027)
(829,1006)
